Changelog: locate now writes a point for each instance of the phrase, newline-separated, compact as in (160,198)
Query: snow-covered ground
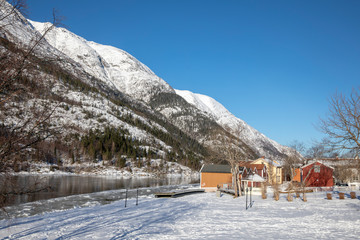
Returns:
(170,169)
(88,199)
(199,216)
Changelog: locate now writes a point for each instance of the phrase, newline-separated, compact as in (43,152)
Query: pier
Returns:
(178,193)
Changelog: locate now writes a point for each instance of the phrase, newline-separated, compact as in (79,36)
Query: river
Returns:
(68,191)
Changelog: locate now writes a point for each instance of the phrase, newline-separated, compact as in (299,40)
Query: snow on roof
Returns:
(272,162)
(254,178)
(332,162)
(269,161)
(311,163)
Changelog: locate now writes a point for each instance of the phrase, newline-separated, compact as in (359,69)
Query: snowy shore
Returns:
(173,169)
(199,216)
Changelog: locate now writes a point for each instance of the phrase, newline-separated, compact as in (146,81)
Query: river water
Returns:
(69,191)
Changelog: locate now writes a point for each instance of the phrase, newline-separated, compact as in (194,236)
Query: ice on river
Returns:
(198,216)
(83,200)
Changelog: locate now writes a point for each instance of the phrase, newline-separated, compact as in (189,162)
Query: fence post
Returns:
(137,196)
(247,189)
(250,196)
(126,197)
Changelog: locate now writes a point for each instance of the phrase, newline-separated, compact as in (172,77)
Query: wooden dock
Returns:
(227,191)
(178,193)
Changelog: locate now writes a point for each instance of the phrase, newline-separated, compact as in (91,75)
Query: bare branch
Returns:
(21,128)
(342,124)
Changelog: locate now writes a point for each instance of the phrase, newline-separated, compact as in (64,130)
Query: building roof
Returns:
(272,162)
(254,178)
(268,161)
(215,168)
(315,163)
(246,164)
(349,162)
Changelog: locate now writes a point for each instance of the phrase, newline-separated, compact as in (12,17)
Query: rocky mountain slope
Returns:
(111,65)
(262,145)
(133,78)
(92,86)
(123,72)
(91,120)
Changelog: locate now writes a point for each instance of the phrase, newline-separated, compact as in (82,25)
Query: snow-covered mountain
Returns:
(114,66)
(119,86)
(82,104)
(122,71)
(261,144)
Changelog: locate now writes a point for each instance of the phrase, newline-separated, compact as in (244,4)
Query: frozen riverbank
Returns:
(84,200)
(200,216)
(170,169)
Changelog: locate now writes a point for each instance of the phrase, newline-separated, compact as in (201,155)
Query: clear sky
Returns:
(273,64)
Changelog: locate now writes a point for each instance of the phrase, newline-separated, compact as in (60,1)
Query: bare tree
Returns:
(15,7)
(343,174)
(342,125)
(17,87)
(317,150)
(293,160)
(231,147)
(21,126)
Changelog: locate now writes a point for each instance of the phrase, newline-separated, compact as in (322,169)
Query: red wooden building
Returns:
(317,175)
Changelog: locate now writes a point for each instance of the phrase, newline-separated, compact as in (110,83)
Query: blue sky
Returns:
(273,64)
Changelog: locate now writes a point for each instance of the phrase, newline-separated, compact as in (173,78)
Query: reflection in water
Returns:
(62,186)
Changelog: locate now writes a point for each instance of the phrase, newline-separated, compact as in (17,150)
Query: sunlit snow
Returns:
(198,216)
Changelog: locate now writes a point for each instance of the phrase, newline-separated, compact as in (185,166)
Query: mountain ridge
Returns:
(107,63)
(258,141)
(134,78)
(102,87)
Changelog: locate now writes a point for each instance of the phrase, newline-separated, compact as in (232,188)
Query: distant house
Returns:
(272,169)
(346,170)
(297,175)
(252,180)
(213,175)
(248,168)
(317,175)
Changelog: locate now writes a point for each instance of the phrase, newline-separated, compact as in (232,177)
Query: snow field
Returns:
(198,216)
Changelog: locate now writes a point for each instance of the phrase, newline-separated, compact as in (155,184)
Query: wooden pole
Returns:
(137,196)
(247,189)
(126,197)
